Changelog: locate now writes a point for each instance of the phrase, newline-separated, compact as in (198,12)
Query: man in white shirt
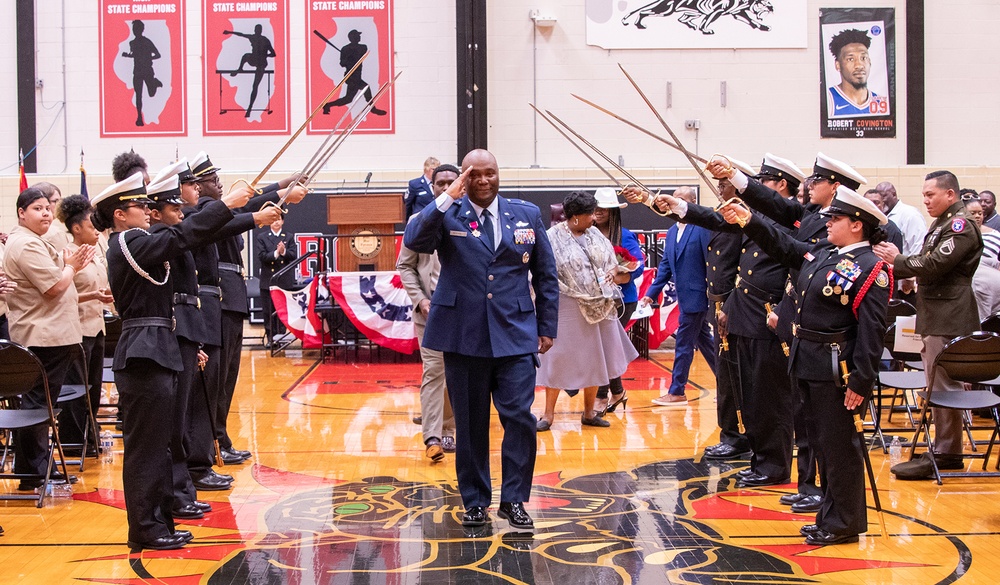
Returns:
(910,221)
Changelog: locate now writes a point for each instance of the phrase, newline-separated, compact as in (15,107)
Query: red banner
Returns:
(338,34)
(246,67)
(142,69)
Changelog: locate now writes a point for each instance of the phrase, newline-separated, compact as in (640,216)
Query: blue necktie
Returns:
(488,229)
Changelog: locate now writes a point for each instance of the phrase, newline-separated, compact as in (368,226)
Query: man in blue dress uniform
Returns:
(493,252)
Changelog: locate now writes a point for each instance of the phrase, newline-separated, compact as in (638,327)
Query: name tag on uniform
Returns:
(524,236)
(457,233)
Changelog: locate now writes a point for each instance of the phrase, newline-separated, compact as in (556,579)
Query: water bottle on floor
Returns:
(895,451)
(107,446)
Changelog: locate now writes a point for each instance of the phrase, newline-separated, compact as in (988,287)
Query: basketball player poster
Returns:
(858,69)
(338,35)
(142,68)
(246,78)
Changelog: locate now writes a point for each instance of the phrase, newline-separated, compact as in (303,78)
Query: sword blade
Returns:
(673,136)
(577,146)
(640,128)
(253,184)
(597,150)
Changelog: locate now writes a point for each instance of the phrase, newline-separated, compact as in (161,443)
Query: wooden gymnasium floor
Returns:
(339,491)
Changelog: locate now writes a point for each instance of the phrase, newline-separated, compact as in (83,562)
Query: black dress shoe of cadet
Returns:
(725,452)
(241,453)
(212,483)
(808,504)
(823,538)
(760,480)
(187,512)
(185,534)
(747,472)
(809,529)
(514,513)
(231,458)
(169,542)
(224,476)
(475,516)
(789,499)
(203,506)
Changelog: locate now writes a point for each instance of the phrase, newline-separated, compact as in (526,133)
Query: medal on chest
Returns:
(841,279)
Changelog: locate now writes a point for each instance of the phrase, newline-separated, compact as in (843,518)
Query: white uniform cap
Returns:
(747,169)
(782,168)
(833,170)
(168,171)
(130,189)
(848,202)
(201,165)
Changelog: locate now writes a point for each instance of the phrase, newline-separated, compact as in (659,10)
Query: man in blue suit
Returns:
(493,251)
(684,263)
(419,193)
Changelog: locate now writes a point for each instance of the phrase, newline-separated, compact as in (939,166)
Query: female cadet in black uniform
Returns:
(147,359)
(844,291)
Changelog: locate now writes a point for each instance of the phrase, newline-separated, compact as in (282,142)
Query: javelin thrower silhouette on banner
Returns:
(350,54)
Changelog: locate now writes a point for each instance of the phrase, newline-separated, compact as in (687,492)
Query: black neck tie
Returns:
(488,229)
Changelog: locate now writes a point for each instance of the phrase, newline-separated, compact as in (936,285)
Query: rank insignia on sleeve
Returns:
(958,225)
(948,247)
(882,279)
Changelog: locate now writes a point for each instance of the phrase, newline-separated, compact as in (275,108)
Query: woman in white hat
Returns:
(608,219)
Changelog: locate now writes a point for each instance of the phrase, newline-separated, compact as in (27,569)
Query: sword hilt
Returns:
(739,422)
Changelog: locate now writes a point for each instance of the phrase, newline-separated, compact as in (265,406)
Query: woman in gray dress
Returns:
(592,348)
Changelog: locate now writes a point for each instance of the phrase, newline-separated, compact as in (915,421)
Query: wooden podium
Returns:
(358,218)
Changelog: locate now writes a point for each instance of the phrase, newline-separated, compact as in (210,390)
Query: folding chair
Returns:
(108,411)
(19,370)
(969,358)
(900,380)
(70,392)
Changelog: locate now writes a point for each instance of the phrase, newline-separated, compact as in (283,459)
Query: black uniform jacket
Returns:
(859,309)
(137,297)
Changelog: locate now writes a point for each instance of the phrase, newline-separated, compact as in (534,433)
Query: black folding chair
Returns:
(19,370)
(107,413)
(969,358)
(91,431)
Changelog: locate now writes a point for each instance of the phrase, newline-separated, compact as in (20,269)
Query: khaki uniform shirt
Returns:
(92,278)
(36,320)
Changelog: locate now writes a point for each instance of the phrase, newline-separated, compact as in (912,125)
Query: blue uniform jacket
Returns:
(418,195)
(482,306)
(684,263)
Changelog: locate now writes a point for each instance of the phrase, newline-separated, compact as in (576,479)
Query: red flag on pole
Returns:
(83,178)
(20,170)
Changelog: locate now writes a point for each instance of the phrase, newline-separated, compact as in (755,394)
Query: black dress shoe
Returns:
(203,506)
(760,480)
(725,453)
(747,472)
(475,516)
(212,483)
(514,513)
(809,529)
(823,538)
(188,512)
(789,499)
(808,504)
(241,453)
(169,542)
(230,458)
(448,444)
(185,534)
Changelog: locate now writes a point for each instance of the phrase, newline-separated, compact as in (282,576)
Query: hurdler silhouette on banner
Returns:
(260,50)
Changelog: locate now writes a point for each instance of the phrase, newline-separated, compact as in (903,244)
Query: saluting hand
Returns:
(457,187)
(79,258)
(238,196)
